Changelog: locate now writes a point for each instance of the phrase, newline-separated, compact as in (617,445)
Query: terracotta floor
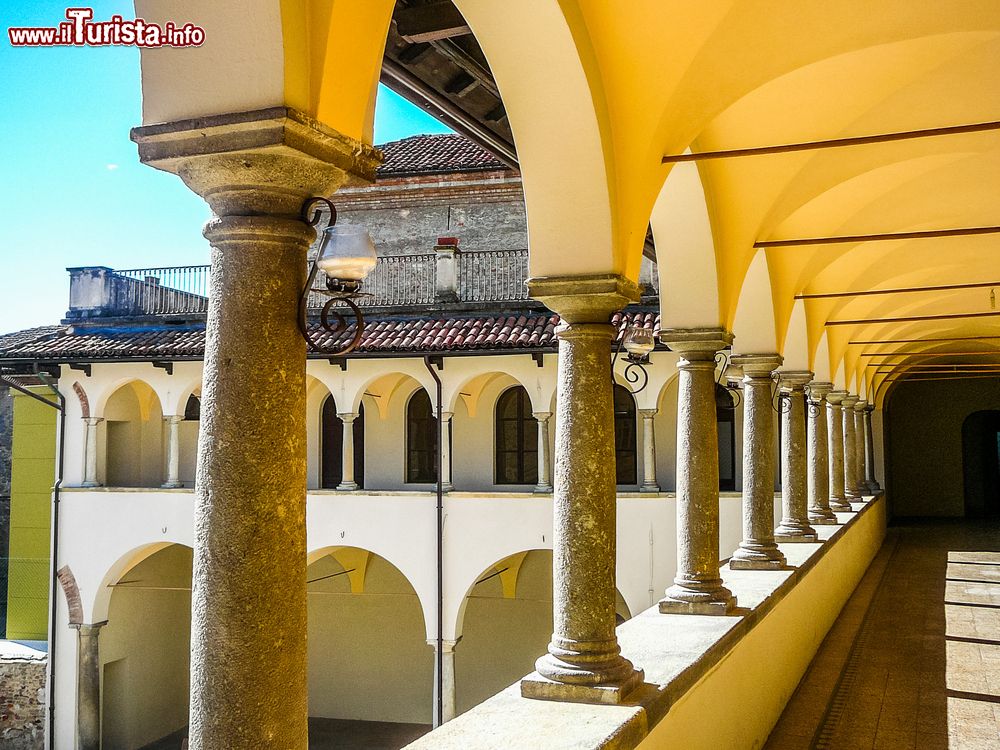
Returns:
(913,662)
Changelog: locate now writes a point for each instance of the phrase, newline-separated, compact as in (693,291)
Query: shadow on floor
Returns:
(913,661)
(335,734)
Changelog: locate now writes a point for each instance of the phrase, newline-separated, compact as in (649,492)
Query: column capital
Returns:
(869,407)
(696,343)
(849,401)
(93,421)
(819,389)
(88,629)
(757,365)
(541,416)
(173,418)
(790,380)
(648,413)
(447,415)
(347,416)
(836,397)
(584,299)
(447,644)
(261,162)
(861,405)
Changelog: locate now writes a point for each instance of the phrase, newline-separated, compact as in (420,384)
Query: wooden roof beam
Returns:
(430,23)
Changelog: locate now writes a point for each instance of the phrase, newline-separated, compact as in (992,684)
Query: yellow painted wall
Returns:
(741,713)
(33,458)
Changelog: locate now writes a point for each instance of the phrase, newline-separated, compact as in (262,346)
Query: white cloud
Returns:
(111,167)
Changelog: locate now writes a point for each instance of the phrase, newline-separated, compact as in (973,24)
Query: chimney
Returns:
(446,285)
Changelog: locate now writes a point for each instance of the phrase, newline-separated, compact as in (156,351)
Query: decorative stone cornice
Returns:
(819,389)
(584,299)
(793,379)
(265,161)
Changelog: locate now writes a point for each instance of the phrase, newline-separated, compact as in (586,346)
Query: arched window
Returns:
(192,410)
(421,439)
(516,439)
(332,446)
(725,417)
(625,440)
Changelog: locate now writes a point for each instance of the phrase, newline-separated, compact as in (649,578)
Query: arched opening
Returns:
(133,437)
(332,446)
(516,446)
(187,436)
(421,439)
(371,672)
(626,459)
(725,418)
(506,625)
(981,463)
(145,653)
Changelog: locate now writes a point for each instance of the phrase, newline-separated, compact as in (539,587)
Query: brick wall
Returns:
(22,703)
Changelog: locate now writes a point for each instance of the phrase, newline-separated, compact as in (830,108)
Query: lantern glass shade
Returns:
(638,342)
(346,253)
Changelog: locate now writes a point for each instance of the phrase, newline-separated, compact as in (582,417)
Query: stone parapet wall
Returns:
(22,703)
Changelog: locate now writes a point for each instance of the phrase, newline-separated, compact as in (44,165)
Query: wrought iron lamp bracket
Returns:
(722,364)
(635,371)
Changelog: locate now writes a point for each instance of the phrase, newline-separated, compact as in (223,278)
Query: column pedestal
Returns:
(544,485)
(173,452)
(648,452)
(820,512)
(347,483)
(794,526)
(697,587)
(447,682)
(584,663)
(835,434)
(758,550)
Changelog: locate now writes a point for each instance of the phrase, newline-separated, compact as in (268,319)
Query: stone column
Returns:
(544,485)
(860,446)
(819,456)
(873,484)
(648,452)
(88,687)
(758,550)
(794,526)
(584,663)
(90,452)
(347,482)
(248,608)
(697,587)
(447,683)
(445,442)
(835,432)
(851,488)
(173,452)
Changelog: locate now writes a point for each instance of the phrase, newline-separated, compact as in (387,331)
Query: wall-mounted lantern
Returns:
(638,344)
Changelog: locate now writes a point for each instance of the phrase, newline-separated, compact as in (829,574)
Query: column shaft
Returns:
(860,445)
(835,433)
(88,687)
(544,485)
(173,452)
(445,443)
(758,550)
(697,587)
(819,456)
(447,682)
(794,526)
(850,450)
(347,482)
(248,650)
(584,662)
(90,452)
(873,484)
(648,452)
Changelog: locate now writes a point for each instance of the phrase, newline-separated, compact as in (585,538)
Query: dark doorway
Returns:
(981,464)
(725,417)
(332,446)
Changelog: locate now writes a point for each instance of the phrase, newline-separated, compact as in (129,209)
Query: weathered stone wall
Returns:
(6,430)
(22,703)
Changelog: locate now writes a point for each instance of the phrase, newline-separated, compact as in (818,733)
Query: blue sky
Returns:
(72,190)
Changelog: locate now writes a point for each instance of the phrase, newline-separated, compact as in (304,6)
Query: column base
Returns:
(680,600)
(541,688)
(543,489)
(794,536)
(649,488)
(171,485)
(822,517)
(447,487)
(840,505)
(91,484)
(757,558)
(347,486)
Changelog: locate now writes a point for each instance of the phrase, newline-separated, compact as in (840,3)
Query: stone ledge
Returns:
(676,651)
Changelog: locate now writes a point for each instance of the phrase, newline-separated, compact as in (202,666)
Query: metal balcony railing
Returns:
(493,276)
